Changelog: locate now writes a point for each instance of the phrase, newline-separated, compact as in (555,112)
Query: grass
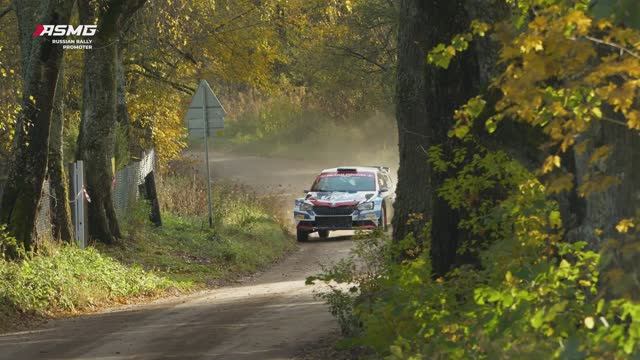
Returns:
(181,256)
(186,251)
(65,279)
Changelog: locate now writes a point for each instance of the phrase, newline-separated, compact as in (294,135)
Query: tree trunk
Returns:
(413,192)
(61,225)
(99,111)
(27,171)
(447,90)
(97,140)
(426,97)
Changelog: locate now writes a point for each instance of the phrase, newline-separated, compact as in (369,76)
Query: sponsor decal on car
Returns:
(346,174)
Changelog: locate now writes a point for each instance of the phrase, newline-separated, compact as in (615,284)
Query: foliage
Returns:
(563,70)
(353,277)
(70,279)
(246,235)
(532,296)
(9,246)
(182,255)
(334,58)
(10,85)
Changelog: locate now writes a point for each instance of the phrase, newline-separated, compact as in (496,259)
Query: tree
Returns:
(412,208)
(41,63)
(425,103)
(570,74)
(61,225)
(99,108)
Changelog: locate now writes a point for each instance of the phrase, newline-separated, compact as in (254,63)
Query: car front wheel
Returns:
(302,235)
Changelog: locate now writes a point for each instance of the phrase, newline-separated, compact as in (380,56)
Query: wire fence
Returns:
(127,189)
(128,181)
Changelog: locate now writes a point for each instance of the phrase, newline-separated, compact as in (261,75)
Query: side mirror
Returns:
(305,191)
(384,189)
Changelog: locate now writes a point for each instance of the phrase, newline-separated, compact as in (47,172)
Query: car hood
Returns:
(339,198)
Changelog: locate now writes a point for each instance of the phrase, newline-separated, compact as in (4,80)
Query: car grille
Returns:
(334,221)
(339,210)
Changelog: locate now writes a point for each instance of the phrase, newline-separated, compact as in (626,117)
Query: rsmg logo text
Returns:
(64,30)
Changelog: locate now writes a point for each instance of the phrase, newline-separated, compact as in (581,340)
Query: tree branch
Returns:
(613,45)
(358,55)
(154,76)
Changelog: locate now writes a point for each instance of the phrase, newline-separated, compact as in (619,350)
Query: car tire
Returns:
(323,234)
(302,236)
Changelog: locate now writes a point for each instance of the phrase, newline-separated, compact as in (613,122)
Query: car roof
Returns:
(357,169)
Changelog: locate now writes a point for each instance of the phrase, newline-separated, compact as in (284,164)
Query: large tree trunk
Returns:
(447,90)
(426,97)
(27,171)
(412,206)
(97,139)
(61,226)
(603,210)
(99,111)
(597,214)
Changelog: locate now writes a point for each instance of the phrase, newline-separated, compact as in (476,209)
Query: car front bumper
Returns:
(364,220)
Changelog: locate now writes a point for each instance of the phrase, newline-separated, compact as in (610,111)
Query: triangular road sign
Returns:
(214,111)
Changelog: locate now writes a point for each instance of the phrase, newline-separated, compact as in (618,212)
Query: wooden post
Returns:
(152,196)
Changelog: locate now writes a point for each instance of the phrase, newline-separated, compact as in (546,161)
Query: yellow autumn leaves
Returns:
(563,71)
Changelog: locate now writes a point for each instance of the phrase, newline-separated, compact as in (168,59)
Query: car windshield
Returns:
(346,182)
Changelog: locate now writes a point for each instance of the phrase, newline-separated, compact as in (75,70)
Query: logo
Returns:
(64,30)
(59,34)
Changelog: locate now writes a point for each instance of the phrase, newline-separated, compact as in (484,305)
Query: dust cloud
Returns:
(372,141)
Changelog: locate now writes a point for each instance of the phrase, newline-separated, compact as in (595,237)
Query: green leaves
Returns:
(442,54)
(622,11)
(466,115)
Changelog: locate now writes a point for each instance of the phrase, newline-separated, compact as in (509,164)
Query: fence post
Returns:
(152,197)
(79,204)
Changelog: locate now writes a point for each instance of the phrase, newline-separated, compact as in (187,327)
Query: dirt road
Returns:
(271,316)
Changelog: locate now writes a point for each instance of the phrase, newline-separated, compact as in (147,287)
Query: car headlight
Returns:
(366,206)
(306,207)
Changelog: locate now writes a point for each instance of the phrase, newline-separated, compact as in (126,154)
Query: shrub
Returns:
(184,194)
(9,246)
(532,296)
(71,279)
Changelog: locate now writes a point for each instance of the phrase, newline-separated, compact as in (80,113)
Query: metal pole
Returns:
(206,151)
(79,208)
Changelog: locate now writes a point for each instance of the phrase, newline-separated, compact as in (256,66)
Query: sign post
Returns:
(205,113)
(79,204)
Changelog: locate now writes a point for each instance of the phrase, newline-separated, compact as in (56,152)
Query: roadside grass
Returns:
(183,255)
(186,251)
(246,235)
(65,279)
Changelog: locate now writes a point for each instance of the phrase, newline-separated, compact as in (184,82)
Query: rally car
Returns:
(345,198)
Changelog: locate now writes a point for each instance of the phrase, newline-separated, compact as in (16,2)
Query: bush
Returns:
(9,246)
(531,297)
(233,204)
(246,235)
(70,279)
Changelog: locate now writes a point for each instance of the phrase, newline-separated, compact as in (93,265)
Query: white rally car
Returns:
(345,198)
